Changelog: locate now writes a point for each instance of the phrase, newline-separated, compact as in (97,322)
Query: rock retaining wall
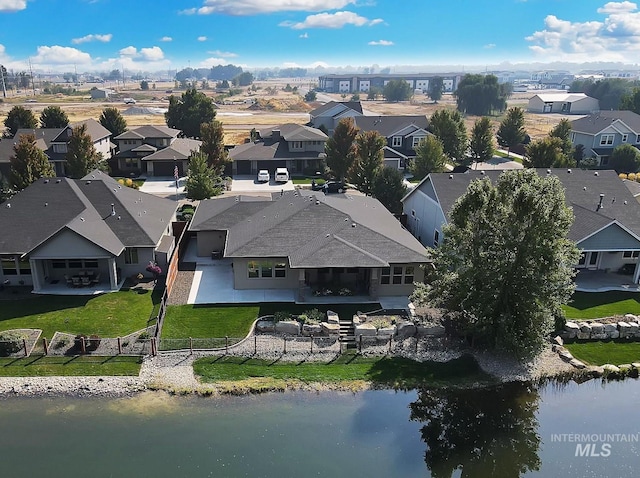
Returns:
(629,328)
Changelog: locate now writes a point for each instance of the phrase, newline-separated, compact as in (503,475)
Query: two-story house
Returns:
(330,114)
(403,134)
(292,146)
(602,132)
(54,142)
(153,151)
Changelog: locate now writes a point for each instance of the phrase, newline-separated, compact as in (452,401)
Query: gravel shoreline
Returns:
(173,371)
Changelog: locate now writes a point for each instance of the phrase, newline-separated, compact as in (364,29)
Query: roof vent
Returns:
(346,219)
(328,235)
(548,171)
(625,202)
(58,180)
(600,203)
(584,188)
(451,176)
(46,181)
(113,209)
(596,173)
(46,204)
(613,200)
(8,205)
(568,171)
(119,218)
(119,186)
(482,173)
(317,202)
(353,224)
(82,219)
(88,182)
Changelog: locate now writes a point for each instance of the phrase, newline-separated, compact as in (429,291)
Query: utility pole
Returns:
(33,85)
(4,87)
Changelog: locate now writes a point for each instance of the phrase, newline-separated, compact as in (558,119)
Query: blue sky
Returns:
(150,35)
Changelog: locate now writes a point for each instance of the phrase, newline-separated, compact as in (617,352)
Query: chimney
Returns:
(600,203)
(275,134)
(113,209)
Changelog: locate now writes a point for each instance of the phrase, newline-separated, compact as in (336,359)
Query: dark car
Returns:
(334,187)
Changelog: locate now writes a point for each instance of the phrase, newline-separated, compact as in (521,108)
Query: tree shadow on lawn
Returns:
(588,300)
(41,304)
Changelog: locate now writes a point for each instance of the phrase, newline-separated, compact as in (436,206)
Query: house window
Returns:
(280,269)
(416,141)
(583,259)
(631,254)
(75,264)
(254,269)
(297,145)
(604,160)
(91,264)
(573,137)
(436,238)
(396,142)
(638,138)
(624,138)
(266,269)
(9,267)
(60,264)
(397,275)
(385,275)
(131,255)
(606,139)
(24,267)
(408,275)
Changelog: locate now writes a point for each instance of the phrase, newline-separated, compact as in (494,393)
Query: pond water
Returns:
(507,431)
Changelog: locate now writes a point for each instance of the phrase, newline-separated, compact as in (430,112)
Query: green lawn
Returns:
(600,353)
(594,305)
(108,315)
(343,310)
(307,180)
(396,372)
(204,321)
(510,157)
(47,366)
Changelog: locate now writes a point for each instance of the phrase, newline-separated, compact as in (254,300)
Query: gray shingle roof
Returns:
(84,206)
(582,191)
(354,105)
(389,125)
(181,149)
(149,131)
(294,132)
(593,124)
(311,230)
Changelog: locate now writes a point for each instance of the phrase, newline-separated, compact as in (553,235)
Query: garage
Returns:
(165,168)
(271,165)
(243,167)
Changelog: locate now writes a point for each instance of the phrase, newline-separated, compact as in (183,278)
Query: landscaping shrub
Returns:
(313,316)
(10,342)
(61,343)
(280,316)
(380,322)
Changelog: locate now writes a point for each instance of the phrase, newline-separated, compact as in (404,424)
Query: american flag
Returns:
(175,172)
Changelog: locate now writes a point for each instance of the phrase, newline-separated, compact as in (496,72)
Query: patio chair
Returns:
(68,280)
(82,273)
(76,281)
(95,279)
(85,281)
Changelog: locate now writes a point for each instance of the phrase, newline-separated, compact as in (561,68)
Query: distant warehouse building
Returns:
(364,83)
(564,103)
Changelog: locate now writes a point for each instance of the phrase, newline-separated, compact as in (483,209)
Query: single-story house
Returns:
(330,114)
(60,228)
(308,242)
(564,103)
(607,216)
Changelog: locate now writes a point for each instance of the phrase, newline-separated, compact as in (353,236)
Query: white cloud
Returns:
(167,39)
(380,43)
(315,64)
(129,51)
(331,20)
(256,7)
(213,61)
(223,54)
(202,38)
(12,5)
(89,38)
(488,46)
(60,55)
(304,35)
(153,53)
(617,38)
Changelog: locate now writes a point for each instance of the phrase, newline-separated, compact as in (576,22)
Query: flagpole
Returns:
(176,176)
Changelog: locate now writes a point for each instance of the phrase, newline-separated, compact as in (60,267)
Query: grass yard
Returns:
(108,315)
(48,366)
(594,305)
(307,180)
(394,372)
(204,321)
(600,353)
(343,310)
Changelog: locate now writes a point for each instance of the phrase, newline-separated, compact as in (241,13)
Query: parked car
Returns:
(129,101)
(334,187)
(282,175)
(263,176)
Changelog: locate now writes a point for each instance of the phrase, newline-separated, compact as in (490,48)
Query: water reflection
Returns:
(486,432)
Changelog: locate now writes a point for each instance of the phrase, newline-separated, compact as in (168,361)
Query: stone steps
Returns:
(347,333)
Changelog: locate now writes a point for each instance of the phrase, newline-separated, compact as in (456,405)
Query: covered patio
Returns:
(601,281)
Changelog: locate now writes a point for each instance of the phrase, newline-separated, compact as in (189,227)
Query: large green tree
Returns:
(82,157)
(189,112)
(449,127)
(631,101)
(203,180)
(388,187)
(430,158)
(53,117)
(397,90)
(28,163)
(625,159)
(562,131)
(436,88)
(113,121)
(369,160)
(243,79)
(481,143)
(340,148)
(19,117)
(480,95)
(505,264)
(609,91)
(212,136)
(511,131)
(546,153)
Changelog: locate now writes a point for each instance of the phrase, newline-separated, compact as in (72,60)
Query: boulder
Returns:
(558,340)
(265,326)
(565,355)
(610,327)
(406,329)
(577,364)
(387,331)
(431,330)
(368,330)
(614,334)
(631,318)
(625,329)
(572,330)
(609,368)
(625,367)
(311,329)
(636,365)
(356,320)
(332,317)
(330,328)
(597,331)
(585,331)
(634,329)
(289,327)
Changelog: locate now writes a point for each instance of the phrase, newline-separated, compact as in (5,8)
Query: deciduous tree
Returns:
(310,96)
(449,127)
(212,135)
(388,187)
(397,90)
(429,158)
(506,264)
(340,148)
(481,144)
(511,131)
(436,88)
(53,117)
(203,179)
(546,153)
(113,121)
(480,95)
(625,159)
(82,157)
(19,117)
(562,131)
(369,160)
(189,112)
(28,163)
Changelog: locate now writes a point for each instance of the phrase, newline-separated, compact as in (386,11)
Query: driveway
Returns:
(498,162)
(163,186)
(249,184)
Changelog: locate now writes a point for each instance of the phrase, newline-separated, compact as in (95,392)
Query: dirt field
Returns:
(239,117)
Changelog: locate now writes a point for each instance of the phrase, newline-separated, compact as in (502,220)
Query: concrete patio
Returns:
(601,281)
